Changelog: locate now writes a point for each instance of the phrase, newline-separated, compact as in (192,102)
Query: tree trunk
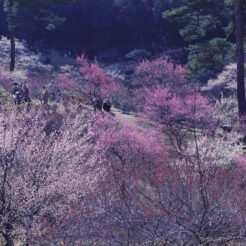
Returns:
(12,55)
(240,58)
(11,35)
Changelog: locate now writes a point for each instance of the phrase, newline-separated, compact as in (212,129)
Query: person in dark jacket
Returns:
(107,105)
(97,104)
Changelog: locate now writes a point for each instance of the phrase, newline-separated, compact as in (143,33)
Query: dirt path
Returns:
(124,117)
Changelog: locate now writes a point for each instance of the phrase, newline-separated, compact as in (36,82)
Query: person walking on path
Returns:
(52,91)
(14,90)
(25,93)
(18,97)
(45,96)
(58,94)
(93,103)
(17,93)
(97,104)
(107,105)
(20,88)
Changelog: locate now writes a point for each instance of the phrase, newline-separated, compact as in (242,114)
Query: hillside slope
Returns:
(223,91)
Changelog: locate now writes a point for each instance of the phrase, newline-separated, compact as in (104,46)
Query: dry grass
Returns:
(123,117)
(32,65)
(225,83)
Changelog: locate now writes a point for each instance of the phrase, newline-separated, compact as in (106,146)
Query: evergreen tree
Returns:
(23,14)
(209,25)
(200,21)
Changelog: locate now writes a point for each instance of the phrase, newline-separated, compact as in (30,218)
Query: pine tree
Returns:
(209,25)
(19,14)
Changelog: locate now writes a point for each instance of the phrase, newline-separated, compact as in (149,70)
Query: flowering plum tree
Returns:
(98,84)
(187,198)
(166,107)
(40,173)
(158,73)
(64,83)
(163,95)
(111,211)
(202,202)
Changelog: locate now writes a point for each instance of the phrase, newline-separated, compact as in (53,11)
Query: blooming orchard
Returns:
(85,177)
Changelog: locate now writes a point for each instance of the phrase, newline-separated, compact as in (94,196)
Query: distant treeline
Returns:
(115,26)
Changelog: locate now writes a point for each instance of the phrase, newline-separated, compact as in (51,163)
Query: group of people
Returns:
(51,92)
(20,93)
(99,104)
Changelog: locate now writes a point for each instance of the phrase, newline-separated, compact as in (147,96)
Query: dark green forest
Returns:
(110,28)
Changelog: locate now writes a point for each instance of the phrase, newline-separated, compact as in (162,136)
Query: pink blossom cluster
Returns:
(97,83)
(65,83)
(160,71)
(165,106)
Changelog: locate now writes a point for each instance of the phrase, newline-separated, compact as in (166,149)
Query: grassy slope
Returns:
(32,65)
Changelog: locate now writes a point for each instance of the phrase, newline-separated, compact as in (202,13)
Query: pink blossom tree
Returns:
(151,196)
(109,213)
(161,71)
(167,107)
(163,96)
(97,83)
(65,83)
(158,73)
